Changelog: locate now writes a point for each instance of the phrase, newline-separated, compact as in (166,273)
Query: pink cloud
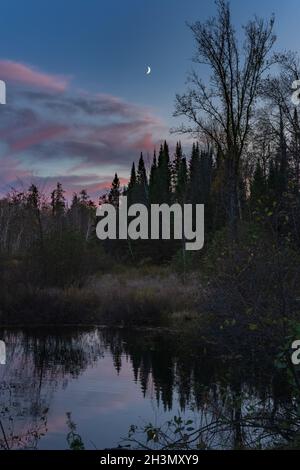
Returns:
(22,73)
(11,170)
(95,134)
(99,188)
(36,137)
(146,142)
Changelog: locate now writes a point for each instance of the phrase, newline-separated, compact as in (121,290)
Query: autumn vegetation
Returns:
(243,166)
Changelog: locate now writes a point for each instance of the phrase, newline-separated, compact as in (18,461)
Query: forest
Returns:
(244,166)
(237,152)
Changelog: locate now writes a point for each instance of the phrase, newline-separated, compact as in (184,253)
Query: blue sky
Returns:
(102,48)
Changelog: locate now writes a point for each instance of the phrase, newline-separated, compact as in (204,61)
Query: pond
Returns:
(110,379)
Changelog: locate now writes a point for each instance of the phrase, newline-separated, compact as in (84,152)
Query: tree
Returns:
(179,175)
(114,193)
(258,186)
(58,201)
(34,204)
(33,197)
(282,158)
(176,165)
(295,149)
(153,193)
(222,111)
(142,182)
(131,188)
(182,179)
(164,174)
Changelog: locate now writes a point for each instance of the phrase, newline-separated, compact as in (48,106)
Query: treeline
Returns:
(44,241)
(170,179)
(246,171)
(59,238)
(57,235)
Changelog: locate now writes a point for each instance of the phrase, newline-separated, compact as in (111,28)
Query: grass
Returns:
(135,297)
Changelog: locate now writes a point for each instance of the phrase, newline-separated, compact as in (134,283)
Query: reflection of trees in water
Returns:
(232,395)
(187,367)
(37,363)
(239,401)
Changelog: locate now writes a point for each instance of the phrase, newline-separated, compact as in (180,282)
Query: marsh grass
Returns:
(145,297)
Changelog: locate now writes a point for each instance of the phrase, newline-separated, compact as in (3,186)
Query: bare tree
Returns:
(223,109)
(278,90)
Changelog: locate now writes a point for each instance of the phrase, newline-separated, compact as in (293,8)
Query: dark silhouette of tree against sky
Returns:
(222,109)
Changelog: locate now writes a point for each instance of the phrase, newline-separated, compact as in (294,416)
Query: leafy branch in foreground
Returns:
(73,438)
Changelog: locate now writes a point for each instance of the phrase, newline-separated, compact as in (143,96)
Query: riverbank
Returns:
(132,297)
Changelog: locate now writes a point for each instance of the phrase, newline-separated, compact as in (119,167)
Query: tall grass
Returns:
(134,297)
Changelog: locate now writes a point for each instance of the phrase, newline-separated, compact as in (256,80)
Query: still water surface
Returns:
(111,379)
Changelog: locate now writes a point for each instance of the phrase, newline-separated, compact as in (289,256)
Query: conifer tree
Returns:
(153,196)
(58,201)
(75,201)
(132,186)
(164,174)
(194,185)
(182,180)
(33,197)
(114,193)
(176,165)
(142,182)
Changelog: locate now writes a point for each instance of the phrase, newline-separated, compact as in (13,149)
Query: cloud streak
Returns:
(78,138)
(27,75)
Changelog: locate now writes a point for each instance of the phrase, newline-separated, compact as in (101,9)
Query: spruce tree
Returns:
(33,197)
(194,184)
(153,195)
(114,193)
(164,174)
(58,201)
(182,180)
(142,182)
(176,166)
(132,186)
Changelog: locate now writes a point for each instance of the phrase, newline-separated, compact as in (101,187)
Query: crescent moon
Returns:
(2,92)
(148,70)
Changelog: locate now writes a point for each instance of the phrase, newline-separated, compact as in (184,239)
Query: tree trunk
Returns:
(232,204)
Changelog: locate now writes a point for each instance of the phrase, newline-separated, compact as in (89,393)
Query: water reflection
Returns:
(110,379)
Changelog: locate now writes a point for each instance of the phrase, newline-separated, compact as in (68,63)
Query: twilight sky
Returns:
(79,104)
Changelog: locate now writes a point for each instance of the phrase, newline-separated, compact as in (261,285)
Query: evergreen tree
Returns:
(176,165)
(58,201)
(84,197)
(33,197)
(34,204)
(132,181)
(164,174)
(182,180)
(142,182)
(132,186)
(114,193)
(205,175)
(153,193)
(75,201)
(194,184)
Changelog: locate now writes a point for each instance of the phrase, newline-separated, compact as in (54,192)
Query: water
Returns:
(111,379)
